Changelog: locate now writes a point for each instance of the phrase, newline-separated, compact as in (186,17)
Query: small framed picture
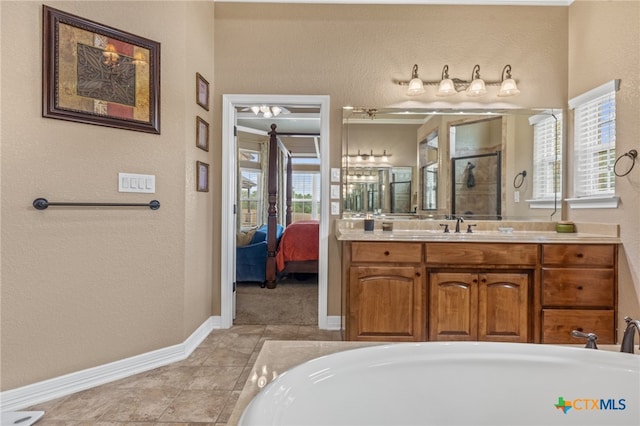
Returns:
(202,134)
(202,176)
(202,91)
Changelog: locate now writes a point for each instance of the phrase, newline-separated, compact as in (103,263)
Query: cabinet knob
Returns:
(386,253)
(417,274)
(579,287)
(580,255)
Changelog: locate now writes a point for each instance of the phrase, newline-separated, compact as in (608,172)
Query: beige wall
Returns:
(83,287)
(604,44)
(353,53)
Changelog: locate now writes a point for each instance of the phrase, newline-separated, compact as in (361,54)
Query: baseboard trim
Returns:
(334,322)
(36,393)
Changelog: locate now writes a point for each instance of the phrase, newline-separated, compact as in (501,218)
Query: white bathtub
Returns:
(462,383)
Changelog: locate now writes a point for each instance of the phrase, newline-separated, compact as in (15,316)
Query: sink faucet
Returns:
(629,334)
(458,220)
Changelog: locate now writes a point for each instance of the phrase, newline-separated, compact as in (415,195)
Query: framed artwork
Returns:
(95,74)
(202,176)
(202,134)
(202,91)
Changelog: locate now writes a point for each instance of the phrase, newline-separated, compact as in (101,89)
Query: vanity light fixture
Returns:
(477,86)
(416,86)
(370,158)
(474,87)
(447,87)
(508,87)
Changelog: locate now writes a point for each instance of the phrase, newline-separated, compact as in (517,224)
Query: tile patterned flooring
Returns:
(201,390)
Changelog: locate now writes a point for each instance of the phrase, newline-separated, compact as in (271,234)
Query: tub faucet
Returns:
(629,334)
(591,338)
(458,220)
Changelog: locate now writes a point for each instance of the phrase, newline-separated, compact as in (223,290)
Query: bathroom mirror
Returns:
(476,163)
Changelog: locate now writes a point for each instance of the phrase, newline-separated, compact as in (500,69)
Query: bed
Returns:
(287,255)
(298,249)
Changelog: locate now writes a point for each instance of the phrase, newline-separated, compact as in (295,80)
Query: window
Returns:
(250,198)
(305,198)
(547,156)
(595,141)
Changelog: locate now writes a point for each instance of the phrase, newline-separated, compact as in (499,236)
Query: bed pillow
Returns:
(243,238)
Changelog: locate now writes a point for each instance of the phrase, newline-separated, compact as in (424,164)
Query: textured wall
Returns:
(604,44)
(81,286)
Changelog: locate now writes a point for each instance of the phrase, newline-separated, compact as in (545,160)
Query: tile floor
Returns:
(201,390)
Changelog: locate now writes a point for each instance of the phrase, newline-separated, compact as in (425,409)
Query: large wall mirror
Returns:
(425,163)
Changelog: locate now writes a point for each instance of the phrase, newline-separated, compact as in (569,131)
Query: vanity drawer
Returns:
(481,254)
(578,287)
(386,252)
(557,325)
(578,254)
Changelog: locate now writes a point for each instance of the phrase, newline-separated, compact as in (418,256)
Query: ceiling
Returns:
(298,129)
(440,2)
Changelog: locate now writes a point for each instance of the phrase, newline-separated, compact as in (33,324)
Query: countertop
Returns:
(483,232)
(278,356)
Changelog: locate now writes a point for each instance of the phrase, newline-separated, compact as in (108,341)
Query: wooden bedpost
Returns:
(272,217)
(289,189)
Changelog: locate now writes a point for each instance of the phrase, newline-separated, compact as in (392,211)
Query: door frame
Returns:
(229,166)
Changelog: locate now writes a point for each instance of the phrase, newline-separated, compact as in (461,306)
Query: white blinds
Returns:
(595,146)
(547,156)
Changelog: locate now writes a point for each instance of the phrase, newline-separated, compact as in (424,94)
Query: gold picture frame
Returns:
(202,134)
(96,74)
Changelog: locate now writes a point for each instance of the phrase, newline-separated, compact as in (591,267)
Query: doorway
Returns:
(230,104)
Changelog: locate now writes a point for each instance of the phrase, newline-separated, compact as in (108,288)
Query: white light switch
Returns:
(335,174)
(335,208)
(132,182)
(335,192)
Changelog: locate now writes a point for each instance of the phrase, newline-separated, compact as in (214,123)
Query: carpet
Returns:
(292,302)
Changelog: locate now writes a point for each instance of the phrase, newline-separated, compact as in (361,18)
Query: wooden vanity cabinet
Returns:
(478,292)
(506,292)
(578,291)
(489,306)
(386,294)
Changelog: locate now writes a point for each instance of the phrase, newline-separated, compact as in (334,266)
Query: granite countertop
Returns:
(483,231)
(278,356)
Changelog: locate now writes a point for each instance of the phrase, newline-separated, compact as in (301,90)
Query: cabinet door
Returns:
(453,305)
(386,303)
(502,307)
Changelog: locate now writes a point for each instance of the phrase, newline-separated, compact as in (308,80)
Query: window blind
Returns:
(595,146)
(547,156)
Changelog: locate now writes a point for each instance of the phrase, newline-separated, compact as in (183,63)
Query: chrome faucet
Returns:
(629,334)
(458,220)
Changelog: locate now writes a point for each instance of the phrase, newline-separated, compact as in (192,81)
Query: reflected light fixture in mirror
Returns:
(371,159)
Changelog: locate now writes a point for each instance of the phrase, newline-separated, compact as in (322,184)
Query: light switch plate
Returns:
(335,192)
(133,182)
(335,174)
(335,208)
